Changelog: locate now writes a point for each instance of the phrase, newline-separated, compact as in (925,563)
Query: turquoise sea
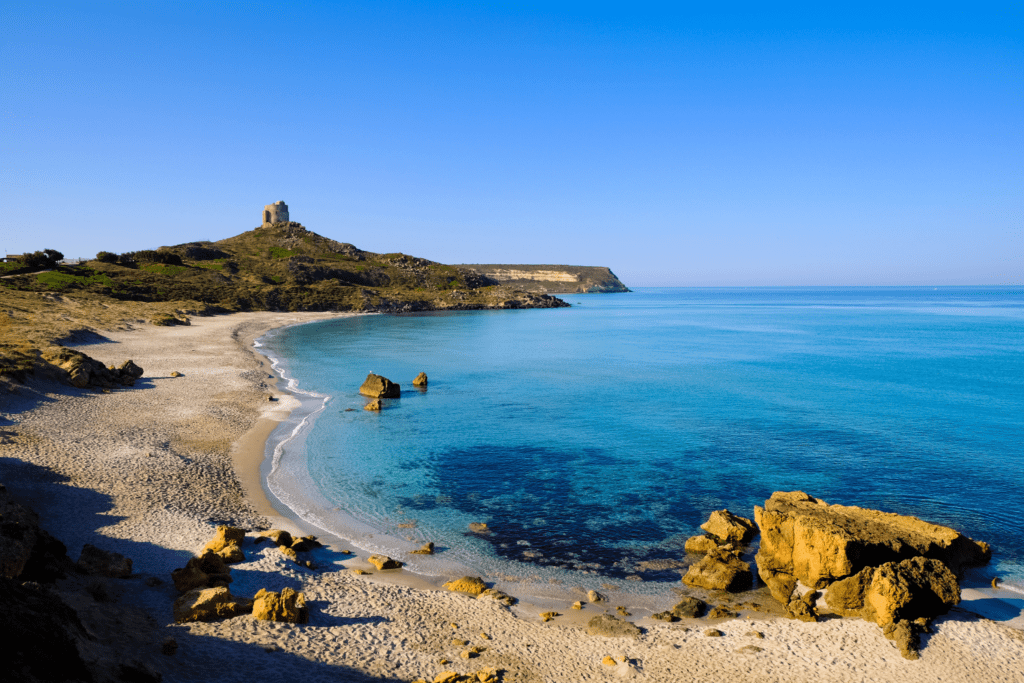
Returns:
(594,440)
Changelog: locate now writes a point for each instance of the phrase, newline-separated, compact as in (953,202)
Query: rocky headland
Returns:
(551,279)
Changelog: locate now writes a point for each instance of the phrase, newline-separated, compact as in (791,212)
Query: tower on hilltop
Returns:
(275,213)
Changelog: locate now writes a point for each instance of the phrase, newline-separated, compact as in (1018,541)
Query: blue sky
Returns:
(732,145)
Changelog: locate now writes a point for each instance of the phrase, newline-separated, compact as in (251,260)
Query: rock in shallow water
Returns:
(376,386)
(720,570)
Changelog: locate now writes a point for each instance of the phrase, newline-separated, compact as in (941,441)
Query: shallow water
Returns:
(597,438)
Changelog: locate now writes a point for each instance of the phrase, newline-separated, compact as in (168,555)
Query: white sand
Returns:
(148,472)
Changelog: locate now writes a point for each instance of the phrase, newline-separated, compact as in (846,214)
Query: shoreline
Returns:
(150,471)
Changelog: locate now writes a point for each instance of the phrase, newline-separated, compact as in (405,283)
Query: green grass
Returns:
(164,269)
(57,280)
(278,252)
(278,279)
(9,266)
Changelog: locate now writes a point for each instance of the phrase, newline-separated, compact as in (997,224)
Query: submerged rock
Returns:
(376,386)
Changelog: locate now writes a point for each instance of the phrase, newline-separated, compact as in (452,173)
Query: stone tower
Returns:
(275,213)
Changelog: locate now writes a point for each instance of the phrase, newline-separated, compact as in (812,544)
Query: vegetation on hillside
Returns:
(280,267)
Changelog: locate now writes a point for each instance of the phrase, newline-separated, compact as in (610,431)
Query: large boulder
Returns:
(729,528)
(228,544)
(720,570)
(209,604)
(808,539)
(288,606)
(376,386)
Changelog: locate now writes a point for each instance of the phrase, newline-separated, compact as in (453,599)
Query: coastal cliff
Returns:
(549,279)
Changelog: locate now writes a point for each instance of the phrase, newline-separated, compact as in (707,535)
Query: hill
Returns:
(282,266)
(552,279)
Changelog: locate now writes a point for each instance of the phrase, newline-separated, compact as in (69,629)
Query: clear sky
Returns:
(703,145)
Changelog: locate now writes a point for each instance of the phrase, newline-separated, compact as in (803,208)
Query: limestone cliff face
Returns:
(546,279)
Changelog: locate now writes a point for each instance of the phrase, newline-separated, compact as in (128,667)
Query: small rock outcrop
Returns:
(288,606)
(611,627)
(427,549)
(729,528)
(421,380)
(376,386)
(207,570)
(81,371)
(276,536)
(804,607)
(473,585)
(228,544)
(687,608)
(209,604)
(498,596)
(383,562)
(102,563)
(374,405)
(700,545)
(808,539)
(720,570)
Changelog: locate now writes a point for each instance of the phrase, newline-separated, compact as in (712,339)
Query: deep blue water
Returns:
(597,437)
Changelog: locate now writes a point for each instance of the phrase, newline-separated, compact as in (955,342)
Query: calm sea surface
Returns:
(595,439)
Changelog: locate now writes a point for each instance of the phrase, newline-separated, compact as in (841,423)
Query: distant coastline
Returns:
(552,279)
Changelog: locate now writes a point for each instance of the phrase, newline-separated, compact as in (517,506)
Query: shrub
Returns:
(47,258)
(106,257)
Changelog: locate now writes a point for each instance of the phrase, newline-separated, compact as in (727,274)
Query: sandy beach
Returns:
(150,471)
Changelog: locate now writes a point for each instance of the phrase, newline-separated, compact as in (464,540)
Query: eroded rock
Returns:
(207,570)
(384,562)
(818,543)
(421,380)
(376,386)
(473,585)
(720,570)
(700,545)
(228,544)
(209,604)
(729,528)
(288,606)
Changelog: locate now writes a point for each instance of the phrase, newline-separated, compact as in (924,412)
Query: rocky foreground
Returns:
(897,571)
